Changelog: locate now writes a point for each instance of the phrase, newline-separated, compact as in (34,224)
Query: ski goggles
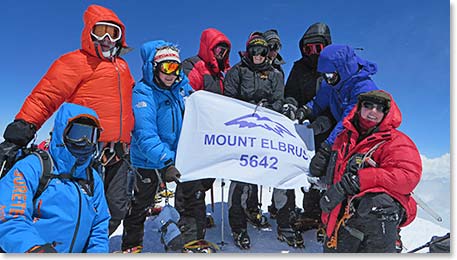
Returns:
(103,29)
(275,46)
(331,78)
(82,134)
(258,50)
(169,67)
(313,48)
(370,105)
(220,51)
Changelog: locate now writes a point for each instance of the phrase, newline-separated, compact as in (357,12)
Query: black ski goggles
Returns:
(370,105)
(258,50)
(331,78)
(82,134)
(275,46)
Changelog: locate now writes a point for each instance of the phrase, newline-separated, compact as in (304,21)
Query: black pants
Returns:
(191,205)
(372,228)
(242,196)
(284,202)
(116,192)
(147,184)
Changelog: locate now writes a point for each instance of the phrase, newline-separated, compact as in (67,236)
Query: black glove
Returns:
(319,162)
(289,110)
(320,125)
(303,113)
(46,248)
(8,152)
(349,185)
(332,197)
(171,174)
(19,132)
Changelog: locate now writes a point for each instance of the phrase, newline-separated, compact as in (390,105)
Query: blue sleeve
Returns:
(98,239)
(146,131)
(321,101)
(17,187)
(358,89)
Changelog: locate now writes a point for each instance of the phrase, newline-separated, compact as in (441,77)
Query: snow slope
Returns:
(417,233)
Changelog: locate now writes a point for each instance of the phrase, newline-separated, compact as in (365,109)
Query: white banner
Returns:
(227,138)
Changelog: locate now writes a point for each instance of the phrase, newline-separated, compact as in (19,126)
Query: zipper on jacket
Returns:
(120,96)
(75,233)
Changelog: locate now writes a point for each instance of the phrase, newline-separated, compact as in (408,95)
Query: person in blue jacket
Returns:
(158,108)
(346,76)
(71,215)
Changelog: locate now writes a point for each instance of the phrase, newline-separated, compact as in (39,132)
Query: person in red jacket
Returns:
(205,71)
(375,169)
(94,76)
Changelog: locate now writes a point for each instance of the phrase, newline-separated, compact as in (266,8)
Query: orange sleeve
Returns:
(56,86)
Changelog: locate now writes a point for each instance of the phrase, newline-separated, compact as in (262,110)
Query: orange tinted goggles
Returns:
(103,29)
(170,67)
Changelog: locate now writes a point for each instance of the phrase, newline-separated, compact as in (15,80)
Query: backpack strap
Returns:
(46,171)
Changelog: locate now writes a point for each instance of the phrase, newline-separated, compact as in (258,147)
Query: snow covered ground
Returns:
(413,236)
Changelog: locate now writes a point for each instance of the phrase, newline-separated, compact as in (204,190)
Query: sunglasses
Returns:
(82,135)
(370,105)
(220,51)
(258,50)
(169,67)
(313,48)
(331,78)
(276,46)
(103,29)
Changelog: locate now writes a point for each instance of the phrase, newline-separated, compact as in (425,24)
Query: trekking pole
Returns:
(427,208)
(3,167)
(429,243)
(222,243)
(212,199)
(260,203)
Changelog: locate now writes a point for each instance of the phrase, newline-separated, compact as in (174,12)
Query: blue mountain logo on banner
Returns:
(255,120)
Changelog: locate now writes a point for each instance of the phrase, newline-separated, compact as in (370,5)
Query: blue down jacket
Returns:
(354,80)
(158,115)
(64,213)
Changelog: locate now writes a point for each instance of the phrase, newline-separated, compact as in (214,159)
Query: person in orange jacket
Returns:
(94,76)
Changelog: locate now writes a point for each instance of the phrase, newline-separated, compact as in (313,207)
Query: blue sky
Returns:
(409,40)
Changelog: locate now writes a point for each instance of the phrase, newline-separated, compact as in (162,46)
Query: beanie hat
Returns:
(271,35)
(256,39)
(376,96)
(318,32)
(167,54)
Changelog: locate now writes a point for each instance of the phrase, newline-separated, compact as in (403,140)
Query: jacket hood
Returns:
(342,59)
(209,39)
(391,120)
(93,15)
(318,32)
(148,51)
(63,159)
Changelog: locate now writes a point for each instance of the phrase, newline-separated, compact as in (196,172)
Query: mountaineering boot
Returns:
(200,246)
(306,221)
(273,211)
(398,242)
(242,239)
(291,237)
(255,217)
(133,250)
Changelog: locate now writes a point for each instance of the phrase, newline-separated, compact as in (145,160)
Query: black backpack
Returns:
(47,175)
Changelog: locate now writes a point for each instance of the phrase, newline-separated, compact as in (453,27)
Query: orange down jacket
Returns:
(85,78)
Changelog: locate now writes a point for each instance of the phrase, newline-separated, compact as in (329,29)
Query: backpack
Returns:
(47,175)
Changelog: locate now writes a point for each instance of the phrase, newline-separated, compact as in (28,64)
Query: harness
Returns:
(349,210)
